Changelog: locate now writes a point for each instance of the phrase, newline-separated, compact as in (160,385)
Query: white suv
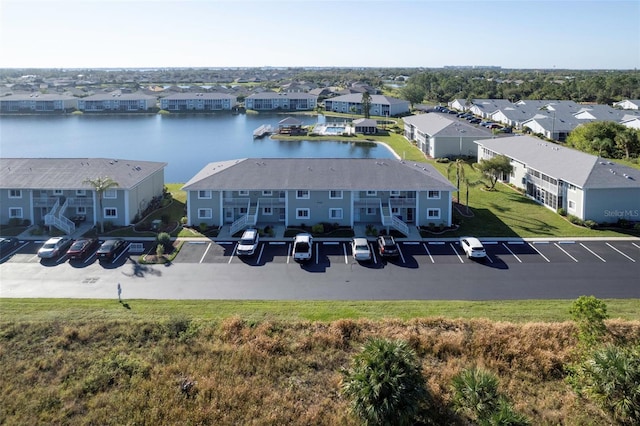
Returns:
(472,247)
(248,242)
(302,247)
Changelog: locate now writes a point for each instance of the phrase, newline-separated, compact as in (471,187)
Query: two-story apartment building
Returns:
(438,136)
(198,102)
(271,101)
(586,186)
(38,102)
(116,101)
(381,105)
(293,191)
(54,191)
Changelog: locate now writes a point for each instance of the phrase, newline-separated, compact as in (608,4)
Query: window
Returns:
(15,212)
(15,193)
(335,213)
(243,193)
(433,213)
(394,193)
(572,187)
(267,211)
(109,193)
(335,195)
(572,205)
(205,214)
(81,210)
(434,195)
(395,211)
(371,210)
(302,195)
(204,194)
(372,193)
(243,210)
(81,192)
(58,192)
(110,212)
(267,193)
(303,214)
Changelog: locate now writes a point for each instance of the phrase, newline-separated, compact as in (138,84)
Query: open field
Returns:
(89,365)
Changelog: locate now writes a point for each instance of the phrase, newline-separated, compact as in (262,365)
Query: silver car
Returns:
(360,249)
(54,247)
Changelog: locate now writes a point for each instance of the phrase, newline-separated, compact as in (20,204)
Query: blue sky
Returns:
(360,33)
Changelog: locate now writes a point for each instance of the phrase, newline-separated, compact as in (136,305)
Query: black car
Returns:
(8,244)
(387,246)
(110,249)
(81,248)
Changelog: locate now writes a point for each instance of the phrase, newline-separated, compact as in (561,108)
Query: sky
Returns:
(561,34)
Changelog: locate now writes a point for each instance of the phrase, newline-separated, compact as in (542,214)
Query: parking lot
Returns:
(413,254)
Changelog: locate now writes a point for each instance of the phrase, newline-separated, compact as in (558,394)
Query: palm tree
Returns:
(385,383)
(459,166)
(475,393)
(100,185)
(366,104)
(468,183)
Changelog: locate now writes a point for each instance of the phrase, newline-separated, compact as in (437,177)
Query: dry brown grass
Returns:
(268,372)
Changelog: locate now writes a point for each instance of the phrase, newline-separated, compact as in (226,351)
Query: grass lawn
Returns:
(154,310)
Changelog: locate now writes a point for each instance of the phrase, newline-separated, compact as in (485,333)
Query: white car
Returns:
(360,249)
(302,247)
(248,242)
(54,247)
(472,247)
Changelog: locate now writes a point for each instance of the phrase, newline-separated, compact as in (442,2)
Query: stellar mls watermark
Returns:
(622,213)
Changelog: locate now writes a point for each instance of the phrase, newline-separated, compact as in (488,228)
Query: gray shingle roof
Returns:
(438,125)
(118,96)
(318,174)
(69,173)
(576,167)
(199,95)
(375,99)
(38,97)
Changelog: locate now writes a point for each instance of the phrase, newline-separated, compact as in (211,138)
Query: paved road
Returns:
(425,270)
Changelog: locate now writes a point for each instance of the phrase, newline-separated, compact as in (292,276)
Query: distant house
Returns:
(53,192)
(38,102)
(271,101)
(459,104)
(628,104)
(296,191)
(198,102)
(438,136)
(290,126)
(631,122)
(380,105)
(586,186)
(485,107)
(117,101)
(367,126)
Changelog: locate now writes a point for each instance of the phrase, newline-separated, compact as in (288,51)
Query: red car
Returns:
(82,248)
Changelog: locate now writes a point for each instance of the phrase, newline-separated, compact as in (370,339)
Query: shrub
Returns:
(475,393)
(636,227)
(164,239)
(590,224)
(159,250)
(442,160)
(385,383)
(183,220)
(562,211)
(15,221)
(610,376)
(575,220)
(589,314)
(26,222)
(317,228)
(203,227)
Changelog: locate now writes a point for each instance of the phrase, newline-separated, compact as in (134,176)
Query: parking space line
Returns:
(373,254)
(456,252)
(260,255)
(631,259)
(437,243)
(277,243)
(233,253)
(516,242)
(512,253)
(205,253)
(592,252)
(346,258)
(428,252)
(636,245)
(126,249)
(317,255)
(289,253)
(565,252)
(401,255)
(540,253)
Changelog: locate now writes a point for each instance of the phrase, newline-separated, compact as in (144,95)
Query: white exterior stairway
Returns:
(392,221)
(56,218)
